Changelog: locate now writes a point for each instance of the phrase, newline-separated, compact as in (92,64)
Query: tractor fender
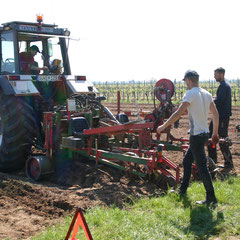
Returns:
(6,87)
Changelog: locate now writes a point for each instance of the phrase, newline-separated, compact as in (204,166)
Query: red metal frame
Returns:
(118,129)
(140,129)
(48,125)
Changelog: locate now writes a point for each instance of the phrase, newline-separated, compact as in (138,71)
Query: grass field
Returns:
(164,216)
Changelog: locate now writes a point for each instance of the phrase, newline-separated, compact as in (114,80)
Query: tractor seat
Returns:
(78,124)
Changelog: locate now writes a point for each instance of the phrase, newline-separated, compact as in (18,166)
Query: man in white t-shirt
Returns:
(198,102)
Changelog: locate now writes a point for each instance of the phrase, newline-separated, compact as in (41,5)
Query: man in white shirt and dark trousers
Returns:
(198,102)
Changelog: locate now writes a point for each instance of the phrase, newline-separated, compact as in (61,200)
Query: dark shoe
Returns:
(228,165)
(207,202)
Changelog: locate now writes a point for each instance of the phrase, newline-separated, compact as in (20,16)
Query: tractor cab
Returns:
(49,63)
(18,37)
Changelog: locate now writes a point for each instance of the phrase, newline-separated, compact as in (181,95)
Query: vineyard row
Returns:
(143,92)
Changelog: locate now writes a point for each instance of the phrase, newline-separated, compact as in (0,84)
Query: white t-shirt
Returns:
(198,109)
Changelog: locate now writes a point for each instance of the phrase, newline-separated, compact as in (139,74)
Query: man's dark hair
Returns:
(220,70)
(192,75)
(194,78)
(35,48)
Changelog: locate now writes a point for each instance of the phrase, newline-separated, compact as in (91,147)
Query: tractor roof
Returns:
(36,28)
(27,23)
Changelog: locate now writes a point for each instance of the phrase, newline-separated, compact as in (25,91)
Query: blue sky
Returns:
(142,40)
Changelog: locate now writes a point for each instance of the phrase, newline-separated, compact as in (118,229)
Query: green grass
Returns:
(164,217)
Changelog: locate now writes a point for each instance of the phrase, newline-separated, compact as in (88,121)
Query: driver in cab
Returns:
(27,63)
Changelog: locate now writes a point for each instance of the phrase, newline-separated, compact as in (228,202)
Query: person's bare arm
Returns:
(213,110)
(174,117)
(39,68)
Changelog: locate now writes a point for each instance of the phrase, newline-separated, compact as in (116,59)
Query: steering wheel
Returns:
(8,65)
(9,60)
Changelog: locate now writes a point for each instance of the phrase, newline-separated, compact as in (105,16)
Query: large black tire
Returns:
(17,132)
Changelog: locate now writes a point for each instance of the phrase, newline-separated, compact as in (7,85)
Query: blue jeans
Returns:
(196,153)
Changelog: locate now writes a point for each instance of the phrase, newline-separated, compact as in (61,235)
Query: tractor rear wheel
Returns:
(17,132)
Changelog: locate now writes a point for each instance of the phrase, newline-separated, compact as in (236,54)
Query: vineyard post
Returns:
(118,101)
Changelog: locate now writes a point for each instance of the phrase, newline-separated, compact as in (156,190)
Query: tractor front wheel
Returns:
(17,132)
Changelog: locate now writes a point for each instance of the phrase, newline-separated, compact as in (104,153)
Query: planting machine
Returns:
(54,117)
(83,128)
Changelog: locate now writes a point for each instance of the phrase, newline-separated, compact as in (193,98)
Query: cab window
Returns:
(7,61)
(55,56)
(50,51)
